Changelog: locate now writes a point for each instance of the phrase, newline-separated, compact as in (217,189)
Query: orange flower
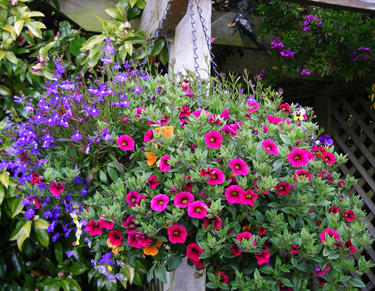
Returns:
(166,131)
(246,227)
(115,249)
(232,175)
(152,251)
(151,158)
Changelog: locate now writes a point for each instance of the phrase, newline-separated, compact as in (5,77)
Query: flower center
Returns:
(248,196)
(234,193)
(268,148)
(212,139)
(133,199)
(124,143)
(199,210)
(237,167)
(301,176)
(161,202)
(184,201)
(176,232)
(281,188)
(296,158)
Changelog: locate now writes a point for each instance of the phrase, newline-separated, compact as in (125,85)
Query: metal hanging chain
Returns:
(195,48)
(208,39)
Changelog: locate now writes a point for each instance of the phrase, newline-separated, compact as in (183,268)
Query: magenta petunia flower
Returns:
(216,178)
(348,245)
(223,277)
(298,157)
(106,224)
(132,241)
(206,172)
(244,235)
(216,221)
(125,143)
(183,199)
(115,237)
(94,228)
(149,136)
(285,107)
(177,234)
(270,147)
(263,257)
(130,226)
(294,249)
(334,209)
(253,106)
(164,166)
(225,114)
(239,167)
(233,194)
(153,182)
(248,197)
(56,188)
(198,264)
(265,129)
(273,119)
(196,209)
(282,188)
(300,174)
(329,158)
(349,215)
(133,197)
(330,232)
(159,202)
(184,111)
(235,250)
(213,139)
(142,239)
(193,251)
(319,271)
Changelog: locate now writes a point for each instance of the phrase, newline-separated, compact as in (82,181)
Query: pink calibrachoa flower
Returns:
(310,155)
(212,119)
(322,282)
(159,202)
(130,226)
(282,188)
(239,167)
(300,174)
(149,136)
(142,239)
(115,237)
(56,188)
(263,257)
(139,111)
(193,251)
(184,111)
(229,129)
(294,249)
(244,235)
(177,234)
(164,166)
(348,245)
(270,147)
(125,142)
(233,194)
(223,278)
(94,228)
(248,197)
(319,271)
(330,232)
(153,182)
(196,209)
(285,107)
(225,114)
(349,215)
(334,209)
(265,129)
(35,179)
(132,241)
(329,158)
(213,139)
(236,250)
(298,157)
(216,221)
(133,197)
(207,172)
(216,178)
(183,199)
(273,119)
(262,230)
(253,106)
(198,264)
(106,224)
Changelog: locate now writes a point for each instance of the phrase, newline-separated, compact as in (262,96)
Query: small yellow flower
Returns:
(299,114)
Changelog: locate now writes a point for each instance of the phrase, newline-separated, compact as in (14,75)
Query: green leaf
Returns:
(34,29)
(47,73)
(44,50)
(158,47)
(286,282)
(357,283)
(266,270)
(164,56)
(15,205)
(35,14)
(11,30)
(76,45)
(41,223)
(2,194)
(78,269)
(3,267)
(133,12)
(161,273)
(11,57)
(132,3)
(42,235)
(4,179)
(173,263)
(4,90)
(17,261)
(58,252)
(18,26)
(103,177)
(64,28)
(65,285)
(112,173)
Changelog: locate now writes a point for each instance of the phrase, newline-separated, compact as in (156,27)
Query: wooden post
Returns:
(181,52)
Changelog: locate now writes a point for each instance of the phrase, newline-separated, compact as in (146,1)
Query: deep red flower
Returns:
(285,107)
(142,239)
(248,197)
(265,129)
(206,172)
(329,158)
(139,111)
(294,249)
(235,250)
(223,277)
(213,120)
(35,179)
(348,245)
(153,182)
(282,188)
(319,271)
(198,264)
(341,183)
(213,139)
(94,228)
(298,157)
(225,114)
(188,185)
(253,107)
(233,194)
(263,257)
(132,241)
(115,237)
(268,244)
(244,235)
(193,251)
(177,234)
(130,225)
(239,167)
(300,174)
(334,209)
(349,215)
(184,111)
(261,230)
(322,282)
(319,150)
(106,224)
(56,188)
(216,221)
(125,143)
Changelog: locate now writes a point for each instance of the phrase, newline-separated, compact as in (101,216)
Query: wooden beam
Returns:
(362,6)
